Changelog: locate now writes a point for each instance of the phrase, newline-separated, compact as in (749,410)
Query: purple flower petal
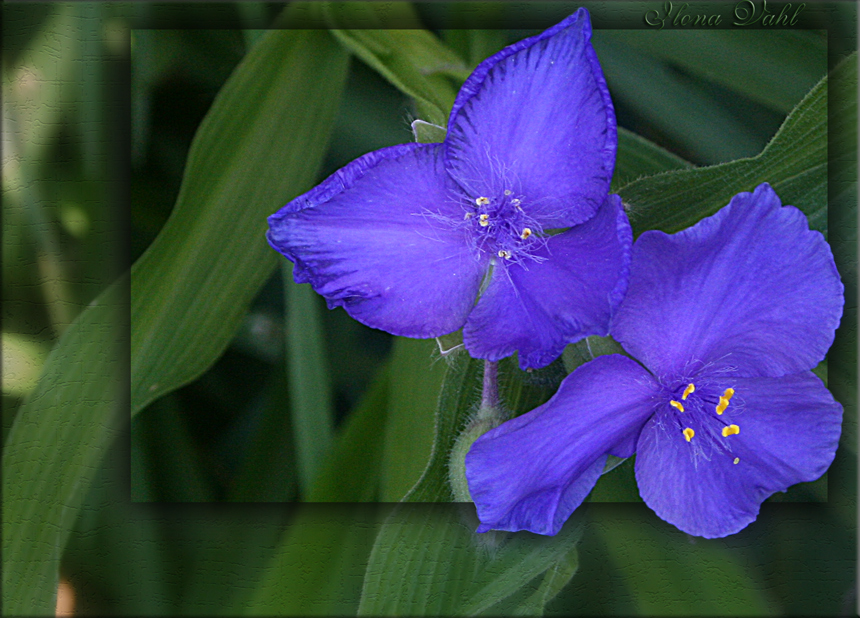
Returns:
(536,120)
(537,307)
(750,290)
(381,237)
(788,431)
(531,472)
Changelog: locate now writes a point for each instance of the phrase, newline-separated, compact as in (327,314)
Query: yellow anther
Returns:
(688,391)
(526,233)
(721,407)
(728,393)
(677,405)
(482,201)
(484,220)
(731,430)
(689,433)
(737,459)
(504,254)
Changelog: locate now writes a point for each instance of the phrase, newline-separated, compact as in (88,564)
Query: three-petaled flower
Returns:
(727,317)
(403,238)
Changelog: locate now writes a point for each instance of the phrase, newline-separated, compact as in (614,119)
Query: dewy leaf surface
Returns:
(261,144)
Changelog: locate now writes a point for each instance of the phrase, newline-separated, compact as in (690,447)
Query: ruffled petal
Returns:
(788,433)
(750,290)
(536,119)
(537,307)
(384,238)
(531,472)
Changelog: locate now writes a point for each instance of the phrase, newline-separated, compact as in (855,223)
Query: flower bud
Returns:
(485,419)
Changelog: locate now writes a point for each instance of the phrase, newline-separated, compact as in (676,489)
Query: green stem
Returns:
(490,394)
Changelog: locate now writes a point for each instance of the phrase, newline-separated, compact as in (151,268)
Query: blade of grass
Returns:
(54,448)
(416,378)
(318,565)
(352,472)
(414,61)
(794,163)
(261,144)
(310,387)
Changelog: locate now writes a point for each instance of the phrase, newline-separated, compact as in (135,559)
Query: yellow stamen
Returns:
(677,405)
(526,233)
(724,400)
(482,201)
(731,430)
(689,433)
(737,459)
(504,254)
(484,220)
(688,391)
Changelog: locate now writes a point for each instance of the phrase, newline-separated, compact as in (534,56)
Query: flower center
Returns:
(500,227)
(697,413)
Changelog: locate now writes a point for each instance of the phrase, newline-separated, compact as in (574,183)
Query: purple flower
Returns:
(727,319)
(404,238)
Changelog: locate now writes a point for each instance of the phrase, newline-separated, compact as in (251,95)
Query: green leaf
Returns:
(427,560)
(794,163)
(414,61)
(638,157)
(352,472)
(310,388)
(261,144)
(841,370)
(44,84)
(318,566)
(531,600)
(778,67)
(581,352)
(54,448)
(224,553)
(416,378)
(676,105)
(460,394)
(669,573)
(169,457)
(475,45)
(115,558)
(519,392)
(268,469)
(23,358)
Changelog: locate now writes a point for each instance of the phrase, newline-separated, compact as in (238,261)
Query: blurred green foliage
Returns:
(73,77)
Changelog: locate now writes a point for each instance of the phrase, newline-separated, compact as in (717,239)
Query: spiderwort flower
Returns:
(727,317)
(403,238)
